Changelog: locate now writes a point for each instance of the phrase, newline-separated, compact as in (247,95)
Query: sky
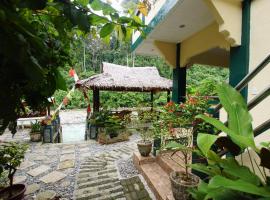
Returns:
(116,4)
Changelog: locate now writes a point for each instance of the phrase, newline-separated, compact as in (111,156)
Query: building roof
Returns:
(123,78)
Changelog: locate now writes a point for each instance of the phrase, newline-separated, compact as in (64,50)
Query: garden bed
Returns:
(104,138)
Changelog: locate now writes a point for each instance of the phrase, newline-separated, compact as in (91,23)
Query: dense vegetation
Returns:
(36,41)
(201,79)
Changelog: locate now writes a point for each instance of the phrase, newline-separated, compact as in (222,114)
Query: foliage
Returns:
(11,156)
(112,122)
(39,34)
(35,127)
(230,179)
(186,151)
(183,114)
(146,118)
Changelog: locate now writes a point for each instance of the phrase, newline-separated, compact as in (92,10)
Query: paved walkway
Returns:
(98,178)
(82,170)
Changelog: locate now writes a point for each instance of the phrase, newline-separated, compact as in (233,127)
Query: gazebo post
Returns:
(168,96)
(152,100)
(96,100)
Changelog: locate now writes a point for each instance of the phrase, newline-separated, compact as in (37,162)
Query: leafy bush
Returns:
(35,127)
(230,178)
(11,156)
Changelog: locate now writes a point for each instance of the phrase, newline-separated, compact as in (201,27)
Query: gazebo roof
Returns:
(123,78)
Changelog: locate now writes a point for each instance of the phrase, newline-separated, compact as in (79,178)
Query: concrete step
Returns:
(84,179)
(155,176)
(92,193)
(96,183)
(168,162)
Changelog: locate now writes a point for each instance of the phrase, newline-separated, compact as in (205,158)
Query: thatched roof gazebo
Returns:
(122,78)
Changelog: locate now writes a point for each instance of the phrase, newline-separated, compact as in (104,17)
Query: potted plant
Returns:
(183,180)
(242,175)
(35,133)
(145,145)
(146,131)
(11,156)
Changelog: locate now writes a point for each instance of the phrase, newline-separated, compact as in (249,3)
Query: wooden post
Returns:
(179,79)
(152,100)
(168,96)
(96,100)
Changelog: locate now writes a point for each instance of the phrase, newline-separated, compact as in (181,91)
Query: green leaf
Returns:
(205,141)
(175,146)
(240,121)
(124,19)
(209,170)
(83,2)
(232,167)
(242,141)
(106,30)
(216,123)
(96,19)
(98,5)
(238,185)
(60,81)
(228,95)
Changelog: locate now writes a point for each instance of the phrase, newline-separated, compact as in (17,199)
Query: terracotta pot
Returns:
(145,147)
(35,137)
(18,191)
(180,186)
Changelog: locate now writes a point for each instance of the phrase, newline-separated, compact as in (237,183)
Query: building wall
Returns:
(259,49)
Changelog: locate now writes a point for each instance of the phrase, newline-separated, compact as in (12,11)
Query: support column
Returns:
(152,100)
(96,100)
(179,79)
(239,56)
(168,96)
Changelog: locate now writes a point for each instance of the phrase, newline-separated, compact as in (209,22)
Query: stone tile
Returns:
(84,155)
(70,156)
(83,145)
(65,147)
(66,164)
(39,170)
(49,161)
(65,184)
(85,150)
(37,157)
(30,189)
(51,153)
(19,179)
(53,177)
(68,151)
(46,195)
(25,164)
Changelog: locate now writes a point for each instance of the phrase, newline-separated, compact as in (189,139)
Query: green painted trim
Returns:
(179,79)
(239,56)
(164,10)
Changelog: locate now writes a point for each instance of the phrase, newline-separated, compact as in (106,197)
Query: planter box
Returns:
(104,138)
(35,137)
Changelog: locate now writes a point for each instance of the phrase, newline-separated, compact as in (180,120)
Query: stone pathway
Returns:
(82,170)
(98,178)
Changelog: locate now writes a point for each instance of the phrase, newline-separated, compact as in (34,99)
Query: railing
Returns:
(242,84)
(257,99)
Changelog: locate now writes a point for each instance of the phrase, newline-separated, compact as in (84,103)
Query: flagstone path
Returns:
(98,178)
(83,170)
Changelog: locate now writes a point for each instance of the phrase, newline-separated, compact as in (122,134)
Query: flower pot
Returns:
(180,186)
(156,145)
(145,147)
(35,137)
(17,192)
